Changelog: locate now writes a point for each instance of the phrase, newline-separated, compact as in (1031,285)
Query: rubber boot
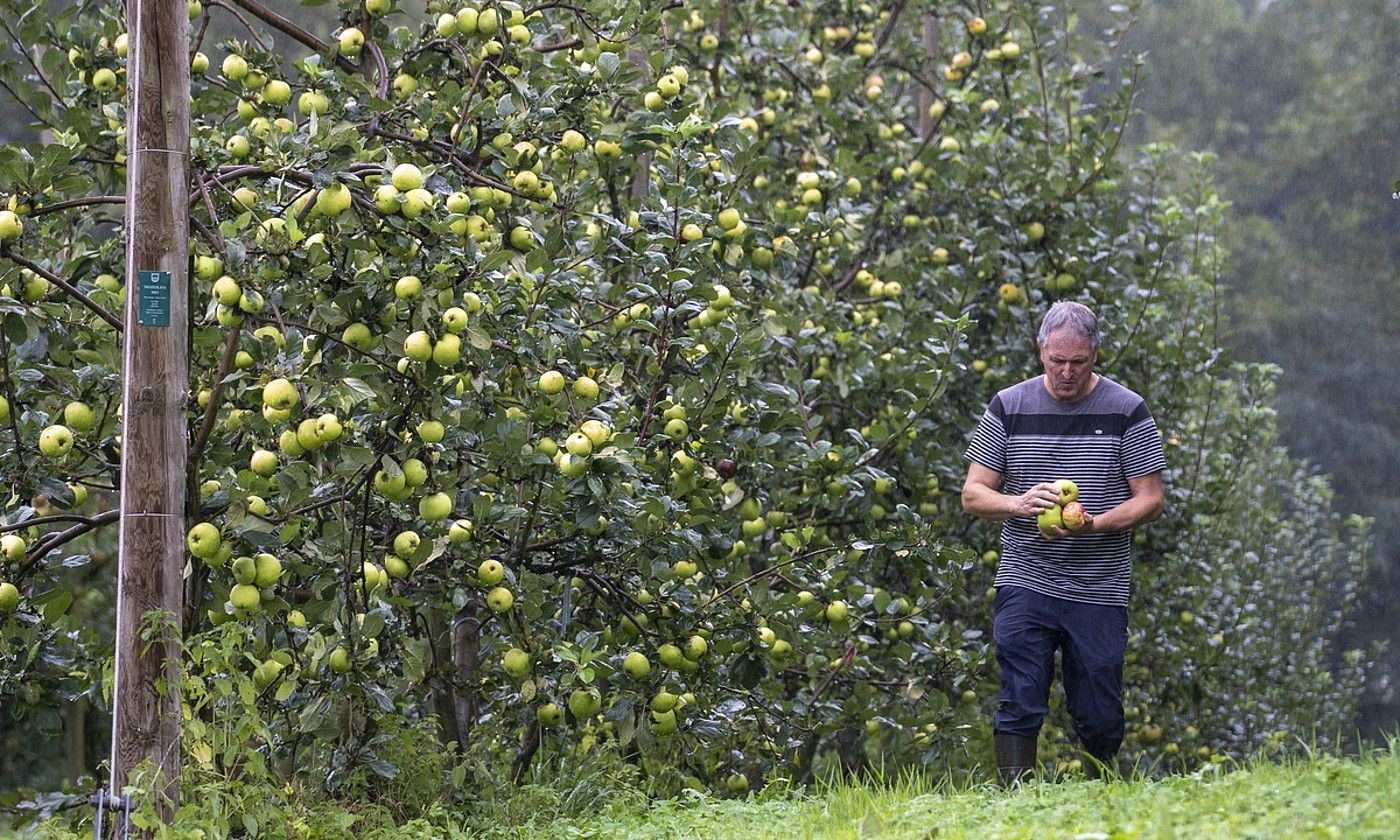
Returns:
(1100,762)
(1015,757)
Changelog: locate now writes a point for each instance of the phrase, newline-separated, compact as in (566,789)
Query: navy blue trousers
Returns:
(1092,639)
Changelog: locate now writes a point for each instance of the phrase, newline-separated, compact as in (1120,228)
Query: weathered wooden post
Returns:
(146,691)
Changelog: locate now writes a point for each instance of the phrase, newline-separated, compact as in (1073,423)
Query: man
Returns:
(1060,588)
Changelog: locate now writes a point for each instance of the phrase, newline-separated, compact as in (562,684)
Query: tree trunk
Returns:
(930,44)
(466,639)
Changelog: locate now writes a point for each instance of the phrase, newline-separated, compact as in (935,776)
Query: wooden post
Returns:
(146,682)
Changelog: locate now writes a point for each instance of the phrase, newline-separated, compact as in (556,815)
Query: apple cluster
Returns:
(1067,512)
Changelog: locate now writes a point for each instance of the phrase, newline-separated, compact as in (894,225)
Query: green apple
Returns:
(418,346)
(396,567)
(227,291)
(277,92)
(1068,490)
(447,351)
(549,715)
(329,428)
(585,703)
(597,431)
(460,531)
(11,227)
(837,611)
(408,287)
(406,177)
(695,647)
(313,103)
(208,267)
(4,410)
(431,431)
(572,466)
(729,218)
(339,660)
(244,570)
(677,429)
(551,382)
(416,202)
(522,238)
(389,485)
(499,599)
(585,387)
(9,597)
(516,662)
(404,85)
(488,22)
(415,472)
(264,462)
(238,146)
(306,435)
(258,506)
(454,320)
(572,141)
(490,572)
(670,655)
(333,200)
(55,441)
(435,507)
(1050,519)
(79,416)
(104,80)
(244,596)
(351,41)
(204,540)
(378,8)
(13,547)
(406,543)
(374,577)
(636,665)
(287,442)
(358,336)
(269,569)
(607,149)
(280,394)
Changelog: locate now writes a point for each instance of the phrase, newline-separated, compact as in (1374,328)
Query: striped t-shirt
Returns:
(1099,442)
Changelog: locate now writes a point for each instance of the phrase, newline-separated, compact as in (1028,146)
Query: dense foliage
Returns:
(1309,159)
(597,378)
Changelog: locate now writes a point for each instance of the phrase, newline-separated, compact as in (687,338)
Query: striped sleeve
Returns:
(1142,445)
(988,445)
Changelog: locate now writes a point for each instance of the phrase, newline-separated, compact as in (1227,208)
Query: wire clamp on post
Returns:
(104,802)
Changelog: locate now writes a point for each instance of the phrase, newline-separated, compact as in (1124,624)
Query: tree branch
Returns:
(65,286)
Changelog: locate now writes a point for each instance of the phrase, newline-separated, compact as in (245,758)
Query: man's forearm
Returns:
(1130,514)
(983,501)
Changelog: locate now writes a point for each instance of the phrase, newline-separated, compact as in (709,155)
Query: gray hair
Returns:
(1075,316)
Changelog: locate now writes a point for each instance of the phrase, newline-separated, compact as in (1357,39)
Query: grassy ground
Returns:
(1322,797)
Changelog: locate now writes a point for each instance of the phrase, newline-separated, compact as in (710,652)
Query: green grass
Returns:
(1320,797)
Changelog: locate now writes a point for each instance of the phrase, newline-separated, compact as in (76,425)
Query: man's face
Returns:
(1069,360)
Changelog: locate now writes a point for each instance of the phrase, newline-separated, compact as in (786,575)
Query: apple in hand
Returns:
(1050,519)
(1068,490)
(1075,517)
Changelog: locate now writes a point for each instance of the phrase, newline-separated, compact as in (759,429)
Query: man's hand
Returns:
(1057,533)
(1037,500)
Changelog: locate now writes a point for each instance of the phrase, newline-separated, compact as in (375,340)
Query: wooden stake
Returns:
(146,690)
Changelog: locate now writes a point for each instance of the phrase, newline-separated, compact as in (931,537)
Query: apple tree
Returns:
(596,373)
